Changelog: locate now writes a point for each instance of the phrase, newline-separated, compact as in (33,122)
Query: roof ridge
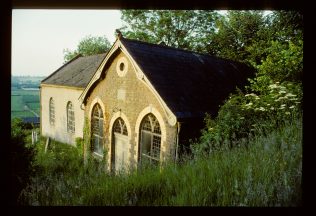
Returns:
(169,47)
(67,63)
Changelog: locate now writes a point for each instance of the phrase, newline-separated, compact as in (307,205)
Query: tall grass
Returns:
(266,173)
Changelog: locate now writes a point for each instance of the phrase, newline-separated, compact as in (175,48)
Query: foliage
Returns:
(235,32)
(275,94)
(89,45)
(244,115)
(181,29)
(268,173)
(86,139)
(80,146)
(22,156)
(284,63)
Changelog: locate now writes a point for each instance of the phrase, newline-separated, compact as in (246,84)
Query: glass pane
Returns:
(146,124)
(145,143)
(156,147)
(95,142)
(117,126)
(100,146)
(157,127)
(100,132)
(125,130)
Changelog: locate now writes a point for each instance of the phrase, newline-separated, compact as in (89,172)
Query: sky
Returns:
(40,36)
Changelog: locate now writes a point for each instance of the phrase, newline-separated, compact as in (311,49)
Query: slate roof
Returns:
(190,83)
(77,72)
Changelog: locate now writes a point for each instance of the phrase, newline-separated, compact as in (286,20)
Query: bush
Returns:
(245,115)
(22,160)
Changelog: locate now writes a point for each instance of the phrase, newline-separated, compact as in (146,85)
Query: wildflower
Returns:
(287,113)
(291,107)
(272,108)
(290,95)
(262,109)
(297,102)
(251,94)
(281,108)
(257,98)
(242,118)
(283,105)
(282,92)
(273,86)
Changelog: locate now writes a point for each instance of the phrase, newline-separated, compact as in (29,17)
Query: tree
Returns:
(237,31)
(88,46)
(177,28)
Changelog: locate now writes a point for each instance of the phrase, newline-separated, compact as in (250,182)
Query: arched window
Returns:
(97,130)
(51,112)
(120,127)
(150,139)
(70,118)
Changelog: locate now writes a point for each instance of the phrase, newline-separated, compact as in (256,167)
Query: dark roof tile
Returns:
(77,72)
(190,83)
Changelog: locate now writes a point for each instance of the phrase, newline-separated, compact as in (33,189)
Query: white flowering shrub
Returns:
(244,115)
(280,101)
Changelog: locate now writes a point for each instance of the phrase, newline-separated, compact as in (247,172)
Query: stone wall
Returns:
(124,95)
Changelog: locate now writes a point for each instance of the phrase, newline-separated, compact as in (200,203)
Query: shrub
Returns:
(245,115)
(22,159)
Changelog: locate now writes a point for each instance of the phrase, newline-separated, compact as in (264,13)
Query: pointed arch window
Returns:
(70,118)
(120,127)
(51,112)
(150,139)
(97,130)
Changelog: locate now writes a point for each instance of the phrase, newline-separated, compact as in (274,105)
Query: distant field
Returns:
(20,99)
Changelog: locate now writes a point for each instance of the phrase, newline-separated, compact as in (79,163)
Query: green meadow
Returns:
(22,101)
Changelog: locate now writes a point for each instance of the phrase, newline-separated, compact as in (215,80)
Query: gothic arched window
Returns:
(51,111)
(150,139)
(70,118)
(97,130)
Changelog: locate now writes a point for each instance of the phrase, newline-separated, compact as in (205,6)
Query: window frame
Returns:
(51,110)
(152,133)
(71,126)
(99,136)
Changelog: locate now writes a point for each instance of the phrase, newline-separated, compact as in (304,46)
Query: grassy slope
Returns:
(268,173)
(19,98)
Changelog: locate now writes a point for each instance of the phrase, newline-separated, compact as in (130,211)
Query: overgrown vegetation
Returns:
(267,173)
(22,158)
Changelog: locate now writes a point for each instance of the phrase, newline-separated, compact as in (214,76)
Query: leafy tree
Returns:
(236,31)
(177,28)
(88,46)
